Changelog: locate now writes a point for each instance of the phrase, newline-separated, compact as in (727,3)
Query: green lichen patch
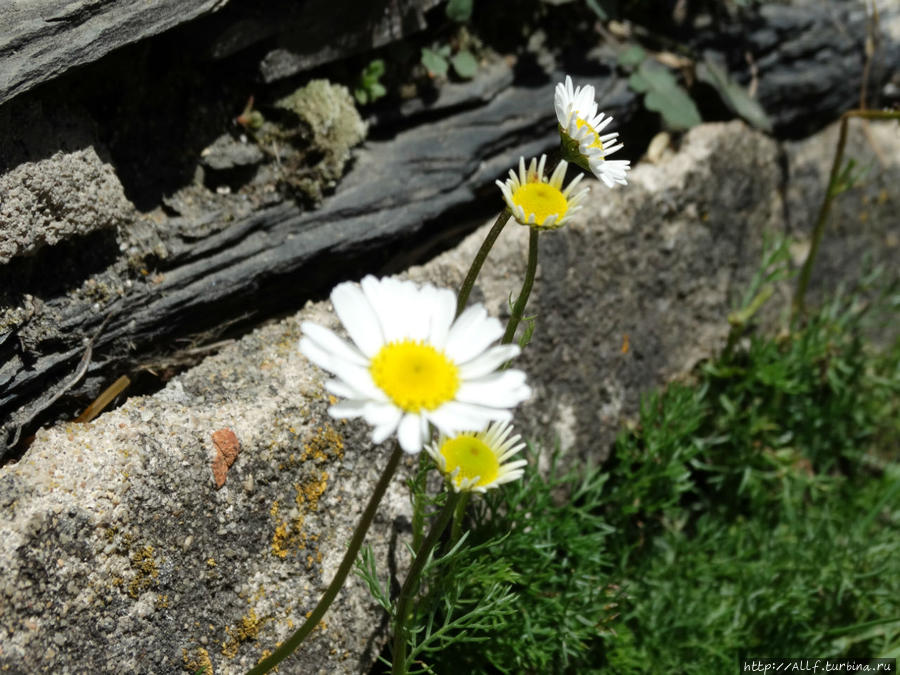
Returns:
(311,137)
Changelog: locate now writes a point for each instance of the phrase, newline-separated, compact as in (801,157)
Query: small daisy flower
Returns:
(581,129)
(474,462)
(411,363)
(539,201)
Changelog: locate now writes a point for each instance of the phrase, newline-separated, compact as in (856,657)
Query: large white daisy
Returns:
(581,129)
(474,462)
(411,364)
(539,201)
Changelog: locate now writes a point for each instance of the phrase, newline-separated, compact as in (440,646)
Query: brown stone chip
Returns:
(227,449)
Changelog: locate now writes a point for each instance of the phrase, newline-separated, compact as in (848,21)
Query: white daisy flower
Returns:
(581,129)
(474,462)
(411,363)
(539,201)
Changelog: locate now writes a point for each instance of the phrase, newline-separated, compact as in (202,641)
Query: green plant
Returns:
(755,510)
(438,61)
(527,587)
(459,10)
(661,90)
(369,88)
(732,94)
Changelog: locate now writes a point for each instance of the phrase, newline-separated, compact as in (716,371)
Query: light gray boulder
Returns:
(118,552)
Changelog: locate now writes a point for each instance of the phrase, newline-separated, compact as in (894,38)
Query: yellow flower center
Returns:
(472,457)
(542,200)
(597,143)
(415,375)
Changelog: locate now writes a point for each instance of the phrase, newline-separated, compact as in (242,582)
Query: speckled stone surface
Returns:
(119,554)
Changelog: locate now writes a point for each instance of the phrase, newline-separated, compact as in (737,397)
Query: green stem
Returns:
(480,257)
(418,516)
(830,193)
(340,576)
(522,300)
(411,584)
(458,516)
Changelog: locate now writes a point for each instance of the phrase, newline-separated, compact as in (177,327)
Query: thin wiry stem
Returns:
(830,193)
(519,307)
(359,534)
(480,257)
(411,584)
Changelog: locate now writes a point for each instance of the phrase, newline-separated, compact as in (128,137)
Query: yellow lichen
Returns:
(197,662)
(280,540)
(308,493)
(247,629)
(146,571)
(325,444)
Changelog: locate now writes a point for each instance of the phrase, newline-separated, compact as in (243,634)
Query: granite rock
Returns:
(118,552)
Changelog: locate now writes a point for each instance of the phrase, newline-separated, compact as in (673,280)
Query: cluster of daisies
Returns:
(542,202)
(411,364)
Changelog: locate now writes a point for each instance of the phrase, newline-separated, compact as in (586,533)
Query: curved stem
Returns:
(522,300)
(359,534)
(480,257)
(410,585)
(831,191)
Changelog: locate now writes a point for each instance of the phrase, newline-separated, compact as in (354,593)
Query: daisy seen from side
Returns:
(539,201)
(411,363)
(581,131)
(478,461)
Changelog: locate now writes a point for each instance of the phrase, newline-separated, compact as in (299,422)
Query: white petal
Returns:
(571,186)
(330,342)
(383,431)
(409,433)
(360,379)
(342,389)
(501,390)
(559,174)
(347,409)
(321,357)
(379,413)
(358,317)
(379,293)
(471,334)
(443,310)
(488,361)
(453,417)
(408,319)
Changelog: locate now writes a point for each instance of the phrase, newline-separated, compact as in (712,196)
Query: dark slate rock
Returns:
(41,40)
(227,152)
(808,59)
